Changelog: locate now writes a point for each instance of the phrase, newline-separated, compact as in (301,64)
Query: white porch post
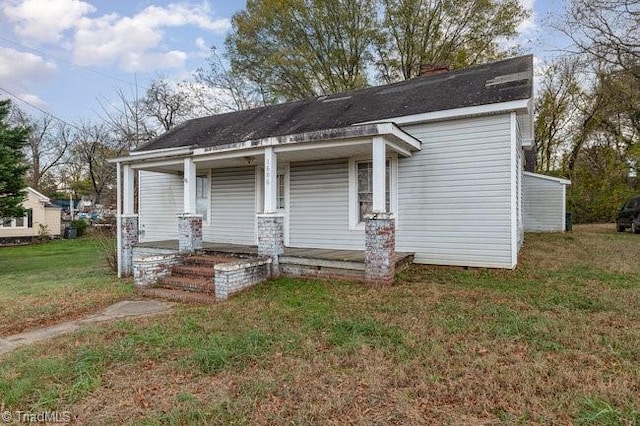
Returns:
(270,221)
(189,222)
(128,225)
(189,186)
(118,216)
(380,225)
(128,190)
(379,174)
(270,180)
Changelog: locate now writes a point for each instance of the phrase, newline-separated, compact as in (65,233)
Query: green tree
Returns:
(12,164)
(295,49)
(457,32)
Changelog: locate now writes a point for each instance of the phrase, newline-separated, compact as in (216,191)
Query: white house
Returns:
(431,166)
(39,212)
(544,202)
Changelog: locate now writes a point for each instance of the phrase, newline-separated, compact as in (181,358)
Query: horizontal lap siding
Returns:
(233,206)
(543,205)
(454,194)
(319,210)
(160,202)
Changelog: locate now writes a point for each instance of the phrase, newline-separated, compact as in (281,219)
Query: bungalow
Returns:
(432,166)
(39,212)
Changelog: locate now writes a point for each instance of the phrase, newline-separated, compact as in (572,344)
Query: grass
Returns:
(554,342)
(45,283)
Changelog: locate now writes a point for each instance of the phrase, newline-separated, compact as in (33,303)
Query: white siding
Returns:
(233,206)
(454,196)
(160,202)
(544,204)
(319,210)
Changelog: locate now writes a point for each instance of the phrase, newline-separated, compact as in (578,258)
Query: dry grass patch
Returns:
(554,342)
(48,283)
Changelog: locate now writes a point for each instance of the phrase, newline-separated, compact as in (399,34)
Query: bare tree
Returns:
(224,89)
(46,147)
(167,103)
(128,119)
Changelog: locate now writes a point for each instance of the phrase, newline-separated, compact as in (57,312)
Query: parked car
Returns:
(629,215)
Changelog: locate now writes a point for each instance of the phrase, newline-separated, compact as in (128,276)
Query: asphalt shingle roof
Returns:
(502,81)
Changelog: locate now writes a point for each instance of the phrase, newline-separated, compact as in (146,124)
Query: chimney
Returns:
(433,69)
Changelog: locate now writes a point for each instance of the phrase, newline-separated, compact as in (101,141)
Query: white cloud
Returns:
(129,40)
(134,62)
(528,25)
(45,20)
(20,68)
(31,99)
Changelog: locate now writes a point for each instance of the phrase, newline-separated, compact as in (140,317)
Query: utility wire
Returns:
(38,108)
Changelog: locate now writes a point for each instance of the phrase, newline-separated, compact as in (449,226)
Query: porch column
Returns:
(380,228)
(271,222)
(189,222)
(128,222)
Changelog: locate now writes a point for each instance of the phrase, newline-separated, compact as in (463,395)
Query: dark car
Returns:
(629,215)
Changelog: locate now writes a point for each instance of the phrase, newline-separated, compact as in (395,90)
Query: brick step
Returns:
(206,260)
(177,295)
(194,270)
(202,285)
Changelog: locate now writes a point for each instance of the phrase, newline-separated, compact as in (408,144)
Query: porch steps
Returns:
(191,281)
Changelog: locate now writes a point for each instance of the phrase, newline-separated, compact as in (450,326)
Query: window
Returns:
(202,197)
(361,190)
(280,203)
(16,222)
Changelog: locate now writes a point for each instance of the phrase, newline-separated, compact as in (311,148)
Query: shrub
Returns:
(106,244)
(80,225)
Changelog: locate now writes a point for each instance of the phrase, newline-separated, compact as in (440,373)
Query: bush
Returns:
(80,225)
(106,245)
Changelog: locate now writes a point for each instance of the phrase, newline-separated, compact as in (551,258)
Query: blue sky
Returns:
(63,56)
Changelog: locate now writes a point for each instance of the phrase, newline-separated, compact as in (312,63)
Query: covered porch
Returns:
(273,225)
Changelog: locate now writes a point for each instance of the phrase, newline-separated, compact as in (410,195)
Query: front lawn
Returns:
(46,283)
(555,342)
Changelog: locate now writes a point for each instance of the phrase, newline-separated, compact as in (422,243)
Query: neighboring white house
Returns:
(39,211)
(437,160)
(545,199)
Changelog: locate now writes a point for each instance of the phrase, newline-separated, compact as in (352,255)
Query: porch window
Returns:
(361,190)
(14,222)
(202,197)
(280,204)
(365,188)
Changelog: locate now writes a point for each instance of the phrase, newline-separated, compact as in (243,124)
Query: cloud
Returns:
(45,20)
(528,25)
(134,62)
(129,40)
(21,68)
(134,43)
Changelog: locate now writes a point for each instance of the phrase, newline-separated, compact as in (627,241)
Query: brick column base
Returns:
(189,232)
(380,246)
(271,238)
(129,235)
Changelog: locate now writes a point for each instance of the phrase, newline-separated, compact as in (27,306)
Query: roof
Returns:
(497,82)
(549,178)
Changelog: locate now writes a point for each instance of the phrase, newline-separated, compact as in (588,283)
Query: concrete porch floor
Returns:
(335,255)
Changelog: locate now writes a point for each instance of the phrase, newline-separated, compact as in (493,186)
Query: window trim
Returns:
(354,225)
(207,176)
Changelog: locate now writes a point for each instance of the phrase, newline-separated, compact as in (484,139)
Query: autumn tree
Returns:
(12,164)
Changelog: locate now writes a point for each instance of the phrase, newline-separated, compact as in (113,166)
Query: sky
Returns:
(69,57)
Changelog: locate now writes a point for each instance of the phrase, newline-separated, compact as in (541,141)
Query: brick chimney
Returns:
(433,69)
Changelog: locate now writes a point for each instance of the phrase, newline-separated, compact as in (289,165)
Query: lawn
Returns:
(45,283)
(555,342)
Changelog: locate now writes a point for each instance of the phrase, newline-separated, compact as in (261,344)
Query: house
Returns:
(544,202)
(39,212)
(432,166)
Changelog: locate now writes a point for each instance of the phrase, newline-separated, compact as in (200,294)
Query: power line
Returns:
(58,58)
(38,108)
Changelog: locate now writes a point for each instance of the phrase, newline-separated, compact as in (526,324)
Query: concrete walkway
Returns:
(125,309)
